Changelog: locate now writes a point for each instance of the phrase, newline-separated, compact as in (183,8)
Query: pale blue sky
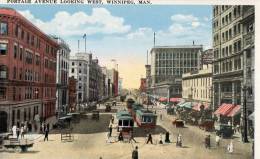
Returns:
(123,32)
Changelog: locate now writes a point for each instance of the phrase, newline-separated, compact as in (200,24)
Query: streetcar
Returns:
(125,122)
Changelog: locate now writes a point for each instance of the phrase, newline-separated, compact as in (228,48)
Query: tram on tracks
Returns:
(143,117)
(125,122)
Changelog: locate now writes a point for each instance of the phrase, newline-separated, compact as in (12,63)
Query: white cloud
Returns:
(66,24)
(183,18)
(140,33)
(195,24)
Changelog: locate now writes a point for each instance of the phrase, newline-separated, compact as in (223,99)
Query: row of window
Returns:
(175,63)
(28,115)
(229,34)
(228,66)
(28,37)
(197,82)
(228,50)
(237,10)
(173,71)
(197,93)
(168,56)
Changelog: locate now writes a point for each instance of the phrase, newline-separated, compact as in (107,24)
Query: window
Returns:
(15,51)
(3,49)
(16,30)
(80,64)
(72,63)
(79,70)
(72,70)
(14,93)
(3,28)
(2,93)
(3,72)
(21,54)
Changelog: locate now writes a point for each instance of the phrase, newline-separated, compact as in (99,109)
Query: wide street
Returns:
(90,142)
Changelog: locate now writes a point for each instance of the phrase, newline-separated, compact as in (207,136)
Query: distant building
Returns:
(143,85)
(168,63)
(80,70)
(197,85)
(113,77)
(62,76)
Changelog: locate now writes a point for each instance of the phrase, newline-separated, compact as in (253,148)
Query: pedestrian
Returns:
(131,134)
(230,147)
(229,123)
(108,138)
(167,137)
(150,139)
(17,132)
(46,132)
(30,127)
(14,130)
(22,132)
(179,141)
(217,140)
(112,120)
(160,139)
(120,136)
(110,130)
(43,127)
(207,141)
(135,153)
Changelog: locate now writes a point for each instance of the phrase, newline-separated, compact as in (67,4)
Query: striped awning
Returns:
(224,109)
(197,106)
(175,99)
(234,111)
(162,99)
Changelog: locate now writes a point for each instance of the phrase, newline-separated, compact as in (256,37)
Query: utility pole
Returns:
(85,37)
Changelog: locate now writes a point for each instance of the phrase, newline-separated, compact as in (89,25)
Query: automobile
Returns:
(224,130)
(63,122)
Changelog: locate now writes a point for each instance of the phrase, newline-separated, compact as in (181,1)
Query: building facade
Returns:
(168,63)
(142,85)
(206,57)
(62,76)
(27,71)
(233,44)
(79,67)
(197,85)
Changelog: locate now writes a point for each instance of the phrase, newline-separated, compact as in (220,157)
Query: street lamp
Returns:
(244,134)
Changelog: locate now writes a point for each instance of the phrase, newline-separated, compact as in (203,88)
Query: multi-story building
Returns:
(168,63)
(197,85)
(79,66)
(113,77)
(233,44)
(62,76)
(95,81)
(72,94)
(27,71)
(107,83)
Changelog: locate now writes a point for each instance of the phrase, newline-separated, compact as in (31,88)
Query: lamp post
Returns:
(244,134)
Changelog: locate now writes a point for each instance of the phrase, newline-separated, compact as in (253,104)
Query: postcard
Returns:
(121,79)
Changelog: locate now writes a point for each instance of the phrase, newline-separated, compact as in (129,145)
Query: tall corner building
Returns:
(168,63)
(27,71)
(233,45)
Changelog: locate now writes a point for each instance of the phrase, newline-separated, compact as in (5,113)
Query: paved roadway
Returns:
(90,143)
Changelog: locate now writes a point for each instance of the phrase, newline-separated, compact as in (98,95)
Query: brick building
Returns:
(72,94)
(27,71)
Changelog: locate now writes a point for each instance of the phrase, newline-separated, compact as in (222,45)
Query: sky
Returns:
(123,32)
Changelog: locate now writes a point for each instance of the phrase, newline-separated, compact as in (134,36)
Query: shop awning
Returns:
(175,99)
(197,106)
(162,99)
(224,109)
(188,105)
(234,111)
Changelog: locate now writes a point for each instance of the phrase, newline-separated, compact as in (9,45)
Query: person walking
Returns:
(46,132)
(217,140)
(207,141)
(150,139)
(135,153)
(167,137)
(22,132)
(230,147)
(179,141)
(18,132)
(131,134)
(160,139)
(14,130)
(110,130)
